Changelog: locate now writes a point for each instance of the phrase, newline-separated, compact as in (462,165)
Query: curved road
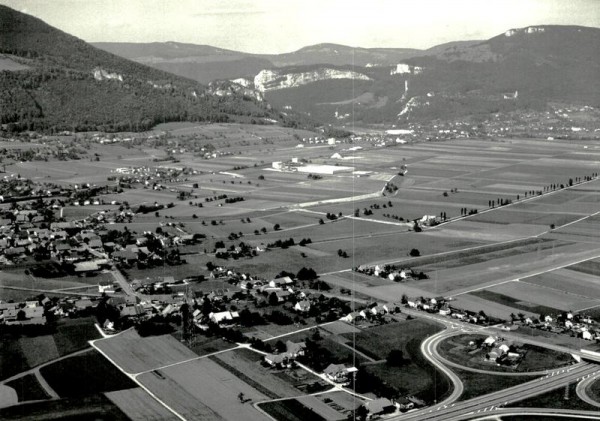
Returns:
(582,387)
(490,402)
(445,361)
(428,350)
(450,409)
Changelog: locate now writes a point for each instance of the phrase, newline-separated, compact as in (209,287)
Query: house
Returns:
(295,349)
(132,311)
(127,256)
(95,243)
(277,360)
(106,287)
(445,310)
(586,335)
(223,316)
(339,373)
(86,267)
(281,282)
(302,306)
(503,349)
(427,220)
(351,317)
(489,341)
(83,303)
(379,310)
(283,296)
(379,407)
(404,404)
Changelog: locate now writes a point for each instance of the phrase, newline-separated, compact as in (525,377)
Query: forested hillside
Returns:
(70,85)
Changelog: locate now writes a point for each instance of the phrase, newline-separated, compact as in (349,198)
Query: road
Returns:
(485,403)
(582,387)
(125,286)
(449,333)
(566,414)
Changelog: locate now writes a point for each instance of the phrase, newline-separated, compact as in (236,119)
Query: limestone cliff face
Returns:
(101,74)
(234,87)
(528,30)
(269,80)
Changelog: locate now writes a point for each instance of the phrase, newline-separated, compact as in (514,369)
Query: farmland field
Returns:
(202,389)
(85,374)
(506,300)
(291,410)
(95,407)
(545,297)
(529,256)
(20,354)
(136,354)
(139,405)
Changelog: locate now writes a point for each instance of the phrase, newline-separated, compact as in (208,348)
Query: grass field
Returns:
(594,391)
(415,376)
(83,375)
(456,350)
(477,384)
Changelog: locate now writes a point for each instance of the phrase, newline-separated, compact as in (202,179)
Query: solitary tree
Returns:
(395,358)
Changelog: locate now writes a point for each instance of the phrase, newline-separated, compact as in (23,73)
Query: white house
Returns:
(379,310)
(503,348)
(281,282)
(338,373)
(489,341)
(223,316)
(302,306)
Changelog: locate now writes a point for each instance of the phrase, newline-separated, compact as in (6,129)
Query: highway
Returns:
(486,403)
(566,414)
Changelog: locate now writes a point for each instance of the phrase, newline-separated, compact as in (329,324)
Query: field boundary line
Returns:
(298,331)
(486,287)
(133,377)
(199,357)
(561,266)
(524,200)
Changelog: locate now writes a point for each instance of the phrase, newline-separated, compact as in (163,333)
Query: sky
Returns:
(278,26)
